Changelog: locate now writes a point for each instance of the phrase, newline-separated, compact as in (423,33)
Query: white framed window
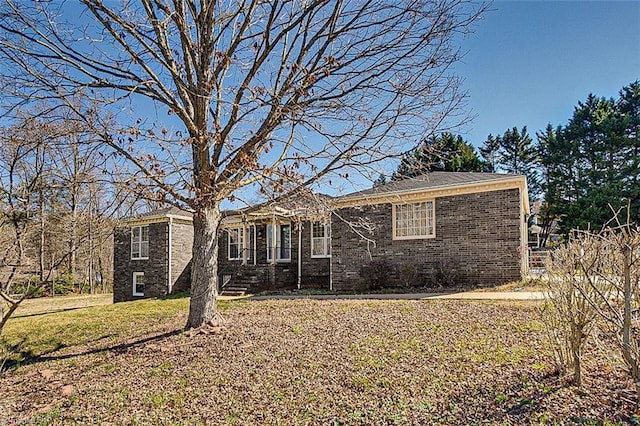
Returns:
(282,246)
(138,283)
(413,220)
(235,243)
(140,242)
(320,239)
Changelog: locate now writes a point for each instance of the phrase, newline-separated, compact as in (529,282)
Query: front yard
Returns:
(300,362)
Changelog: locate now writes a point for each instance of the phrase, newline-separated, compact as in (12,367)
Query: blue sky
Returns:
(530,62)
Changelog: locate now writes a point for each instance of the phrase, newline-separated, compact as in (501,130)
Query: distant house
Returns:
(469,227)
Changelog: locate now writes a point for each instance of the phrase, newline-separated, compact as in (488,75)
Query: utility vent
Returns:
(226,279)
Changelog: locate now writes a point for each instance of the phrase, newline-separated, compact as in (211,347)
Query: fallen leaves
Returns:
(47,374)
(66,390)
(319,362)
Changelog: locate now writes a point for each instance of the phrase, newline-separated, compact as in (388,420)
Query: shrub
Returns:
(31,286)
(409,274)
(63,284)
(375,274)
(445,273)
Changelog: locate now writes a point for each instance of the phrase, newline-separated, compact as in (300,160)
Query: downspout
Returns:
(524,232)
(255,247)
(272,250)
(330,256)
(169,280)
(245,236)
(299,255)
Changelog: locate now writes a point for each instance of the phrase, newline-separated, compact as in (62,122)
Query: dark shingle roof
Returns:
(432,180)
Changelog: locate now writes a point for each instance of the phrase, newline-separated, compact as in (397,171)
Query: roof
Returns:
(166,212)
(432,180)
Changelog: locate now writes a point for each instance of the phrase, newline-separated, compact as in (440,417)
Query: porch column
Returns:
(255,251)
(300,254)
(245,236)
(272,249)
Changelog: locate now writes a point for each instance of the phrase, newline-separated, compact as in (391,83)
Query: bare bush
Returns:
(409,274)
(570,316)
(445,273)
(375,274)
(596,276)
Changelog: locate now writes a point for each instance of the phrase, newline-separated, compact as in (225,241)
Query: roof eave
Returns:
(517,180)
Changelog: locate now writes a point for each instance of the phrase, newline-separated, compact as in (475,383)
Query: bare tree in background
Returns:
(265,96)
(48,208)
(23,177)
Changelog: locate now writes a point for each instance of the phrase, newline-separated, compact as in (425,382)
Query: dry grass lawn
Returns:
(300,362)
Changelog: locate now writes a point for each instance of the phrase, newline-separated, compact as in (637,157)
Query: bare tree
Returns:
(47,212)
(21,188)
(250,97)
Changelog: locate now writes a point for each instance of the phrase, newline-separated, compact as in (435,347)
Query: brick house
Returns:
(152,255)
(466,227)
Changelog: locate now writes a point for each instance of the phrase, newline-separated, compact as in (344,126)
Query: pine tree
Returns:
(592,164)
(490,152)
(518,154)
(446,152)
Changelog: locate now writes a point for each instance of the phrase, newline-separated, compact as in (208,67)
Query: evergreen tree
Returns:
(551,159)
(490,152)
(591,165)
(518,154)
(445,152)
(381,180)
(514,152)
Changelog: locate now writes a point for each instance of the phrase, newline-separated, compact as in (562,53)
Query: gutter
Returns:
(169,278)
(479,186)
(299,255)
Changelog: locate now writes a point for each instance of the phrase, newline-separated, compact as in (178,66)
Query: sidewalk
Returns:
(468,295)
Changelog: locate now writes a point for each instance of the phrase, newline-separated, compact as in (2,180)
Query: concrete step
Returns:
(233,291)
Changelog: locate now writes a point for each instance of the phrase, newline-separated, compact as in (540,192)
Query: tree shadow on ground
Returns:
(28,357)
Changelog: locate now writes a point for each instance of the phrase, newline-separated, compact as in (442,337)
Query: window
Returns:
(320,239)
(282,244)
(415,220)
(235,243)
(138,283)
(140,242)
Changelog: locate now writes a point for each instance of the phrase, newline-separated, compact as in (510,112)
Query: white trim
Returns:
(276,229)
(134,282)
(245,248)
(240,243)
(414,237)
(414,195)
(299,255)
(169,278)
(140,257)
(155,219)
(326,238)
(255,245)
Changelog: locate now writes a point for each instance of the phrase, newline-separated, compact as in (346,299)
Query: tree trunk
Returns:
(204,266)
(577,367)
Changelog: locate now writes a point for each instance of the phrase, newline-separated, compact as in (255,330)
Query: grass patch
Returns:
(299,362)
(34,333)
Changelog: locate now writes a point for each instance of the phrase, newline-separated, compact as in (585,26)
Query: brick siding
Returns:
(181,253)
(477,241)
(154,268)
(278,276)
